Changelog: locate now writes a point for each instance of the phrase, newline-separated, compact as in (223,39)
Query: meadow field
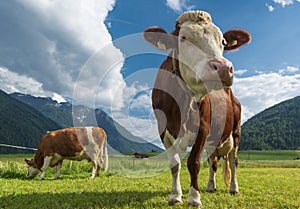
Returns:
(267,179)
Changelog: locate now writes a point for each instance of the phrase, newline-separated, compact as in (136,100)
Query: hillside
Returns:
(274,128)
(118,137)
(21,124)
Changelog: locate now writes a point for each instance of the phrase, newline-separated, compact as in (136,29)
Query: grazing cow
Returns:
(192,99)
(73,144)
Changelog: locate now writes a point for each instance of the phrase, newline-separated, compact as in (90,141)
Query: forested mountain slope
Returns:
(277,127)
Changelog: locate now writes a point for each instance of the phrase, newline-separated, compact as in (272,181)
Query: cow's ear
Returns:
(159,38)
(27,161)
(235,38)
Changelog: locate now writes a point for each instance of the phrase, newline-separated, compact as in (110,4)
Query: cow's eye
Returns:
(182,39)
(224,42)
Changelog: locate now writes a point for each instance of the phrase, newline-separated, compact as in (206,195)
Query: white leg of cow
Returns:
(100,164)
(46,164)
(211,185)
(176,194)
(95,162)
(194,198)
(58,168)
(175,165)
(233,164)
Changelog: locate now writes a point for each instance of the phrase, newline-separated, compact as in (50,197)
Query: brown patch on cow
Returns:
(215,164)
(64,141)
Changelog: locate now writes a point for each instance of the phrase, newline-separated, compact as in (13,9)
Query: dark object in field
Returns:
(140,155)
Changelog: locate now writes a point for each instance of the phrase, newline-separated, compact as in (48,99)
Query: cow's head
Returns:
(33,170)
(198,45)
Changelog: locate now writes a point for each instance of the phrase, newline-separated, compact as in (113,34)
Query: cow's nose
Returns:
(222,67)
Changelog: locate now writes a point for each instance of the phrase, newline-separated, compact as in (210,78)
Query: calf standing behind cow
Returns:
(193,102)
(78,143)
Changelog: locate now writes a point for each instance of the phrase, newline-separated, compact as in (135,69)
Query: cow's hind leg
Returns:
(175,165)
(58,168)
(213,165)
(46,164)
(99,164)
(233,161)
(95,163)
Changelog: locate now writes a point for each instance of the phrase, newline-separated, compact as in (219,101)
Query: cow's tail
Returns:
(105,155)
(226,171)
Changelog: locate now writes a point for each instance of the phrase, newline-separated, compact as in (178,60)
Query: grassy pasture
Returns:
(267,179)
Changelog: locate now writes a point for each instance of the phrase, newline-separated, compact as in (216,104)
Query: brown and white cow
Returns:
(192,99)
(77,143)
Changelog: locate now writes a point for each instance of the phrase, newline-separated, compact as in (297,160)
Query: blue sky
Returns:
(93,51)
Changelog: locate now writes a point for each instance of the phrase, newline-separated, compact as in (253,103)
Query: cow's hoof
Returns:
(195,204)
(211,190)
(40,179)
(233,192)
(173,202)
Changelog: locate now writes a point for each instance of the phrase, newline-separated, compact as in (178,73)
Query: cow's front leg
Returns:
(194,168)
(175,165)
(46,164)
(213,165)
(233,161)
(58,168)
(193,164)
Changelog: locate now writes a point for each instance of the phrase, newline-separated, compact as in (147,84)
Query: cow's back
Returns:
(64,142)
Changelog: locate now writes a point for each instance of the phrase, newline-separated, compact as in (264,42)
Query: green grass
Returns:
(275,185)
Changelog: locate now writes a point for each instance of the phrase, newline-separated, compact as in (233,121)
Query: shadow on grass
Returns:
(12,175)
(128,199)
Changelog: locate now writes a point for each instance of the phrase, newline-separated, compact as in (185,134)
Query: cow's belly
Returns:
(57,158)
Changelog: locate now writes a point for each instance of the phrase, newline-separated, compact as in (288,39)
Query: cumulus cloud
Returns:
(282,3)
(178,5)
(261,91)
(13,82)
(48,43)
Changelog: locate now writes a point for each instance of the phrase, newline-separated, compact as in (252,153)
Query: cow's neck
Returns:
(38,159)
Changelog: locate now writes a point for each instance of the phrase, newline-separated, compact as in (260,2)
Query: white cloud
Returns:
(259,92)
(137,115)
(289,69)
(178,5)
(240,72)
(270,7)
(50,41)
(13,82)
(283,3)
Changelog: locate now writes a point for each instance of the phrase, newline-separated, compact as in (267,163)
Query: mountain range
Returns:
(25,118)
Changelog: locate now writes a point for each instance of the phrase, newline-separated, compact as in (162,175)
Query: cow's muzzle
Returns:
(224,69)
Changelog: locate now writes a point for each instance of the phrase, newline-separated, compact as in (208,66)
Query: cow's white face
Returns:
(32,169)
(201,62)
(32,172)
